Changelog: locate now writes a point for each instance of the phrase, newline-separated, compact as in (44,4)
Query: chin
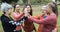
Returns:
(28,11)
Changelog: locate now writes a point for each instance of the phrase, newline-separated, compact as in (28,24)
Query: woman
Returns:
(7,21)
(55,10)
(49,22)
(42,16)
(28,25)
(17,16)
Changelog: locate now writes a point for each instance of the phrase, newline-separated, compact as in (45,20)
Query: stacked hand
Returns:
(26,12)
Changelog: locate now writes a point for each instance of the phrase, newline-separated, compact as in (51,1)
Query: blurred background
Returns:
(36,6)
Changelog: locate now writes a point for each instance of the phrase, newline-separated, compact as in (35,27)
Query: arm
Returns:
(19,22)
(36,17)
(47,20)
(18,16)
(35,20)
(6,20)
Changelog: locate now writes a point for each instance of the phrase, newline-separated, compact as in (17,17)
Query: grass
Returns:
(36,11)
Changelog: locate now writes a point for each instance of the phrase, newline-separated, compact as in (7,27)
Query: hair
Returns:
(5,7)
(30,8)
(55,10)
(53,5)
(14,7)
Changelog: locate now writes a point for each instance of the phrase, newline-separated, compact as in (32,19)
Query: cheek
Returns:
(18,8)
(10,10)
(15,8)
(47,9)
(28,8)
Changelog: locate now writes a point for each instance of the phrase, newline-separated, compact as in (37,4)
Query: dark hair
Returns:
(53,5)
(30,8)
(14,7)
(4,12)
(55,10)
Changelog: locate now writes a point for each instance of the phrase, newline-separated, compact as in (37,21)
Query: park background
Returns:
(36,6)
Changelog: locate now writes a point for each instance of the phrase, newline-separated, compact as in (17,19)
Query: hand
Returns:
(25,11)
(23,24)
(28,15)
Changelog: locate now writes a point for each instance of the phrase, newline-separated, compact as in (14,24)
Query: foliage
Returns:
(25,1)
(10,1)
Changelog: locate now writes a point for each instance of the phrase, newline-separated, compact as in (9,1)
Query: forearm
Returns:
(36,17)
(14,23)
(21,15)
(19,22)
(18,16)
(22,20)
(35,20)
(48,20)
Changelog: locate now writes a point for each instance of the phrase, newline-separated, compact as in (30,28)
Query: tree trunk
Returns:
(29,1)
(55,0)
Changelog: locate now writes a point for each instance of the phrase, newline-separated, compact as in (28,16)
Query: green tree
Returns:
(25,1)
(10,1)
(58,0)
(29,1)
(15,1)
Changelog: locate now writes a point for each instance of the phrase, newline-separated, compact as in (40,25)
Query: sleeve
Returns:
(47,20)
(36,17)
(4,20)
(18,22)
(10,21)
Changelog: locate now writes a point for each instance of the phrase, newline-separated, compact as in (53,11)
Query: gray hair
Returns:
(5,7)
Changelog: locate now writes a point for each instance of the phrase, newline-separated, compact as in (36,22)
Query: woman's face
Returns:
(28,8)
(43,9)
(17,8)
(48,9)
(9,11)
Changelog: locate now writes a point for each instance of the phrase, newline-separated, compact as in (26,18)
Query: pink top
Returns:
(49,23)
(17,16)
